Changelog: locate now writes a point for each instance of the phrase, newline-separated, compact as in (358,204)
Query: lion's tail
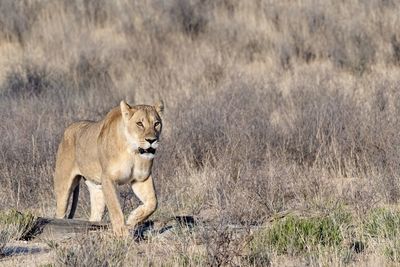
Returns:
(74,203)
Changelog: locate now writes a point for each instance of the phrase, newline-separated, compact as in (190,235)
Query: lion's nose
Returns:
(151,140)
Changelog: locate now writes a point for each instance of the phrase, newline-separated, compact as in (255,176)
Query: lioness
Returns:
(116,150)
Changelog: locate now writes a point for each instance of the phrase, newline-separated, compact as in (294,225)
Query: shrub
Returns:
(31,80)
(22,223)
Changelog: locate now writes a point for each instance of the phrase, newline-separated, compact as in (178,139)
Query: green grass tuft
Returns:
(295,235)
(383,223)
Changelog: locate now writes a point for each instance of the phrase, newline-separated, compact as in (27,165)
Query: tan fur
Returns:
(108,153)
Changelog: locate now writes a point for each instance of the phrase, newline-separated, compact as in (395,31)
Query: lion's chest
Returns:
(126,171)
(140,174)
(122,171)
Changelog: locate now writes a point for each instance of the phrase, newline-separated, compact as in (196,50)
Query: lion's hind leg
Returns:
(63,190)
(66,179)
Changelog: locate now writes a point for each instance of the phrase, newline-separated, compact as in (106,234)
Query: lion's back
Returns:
(79,135)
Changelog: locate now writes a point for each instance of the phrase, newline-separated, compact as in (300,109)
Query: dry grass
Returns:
(271,106)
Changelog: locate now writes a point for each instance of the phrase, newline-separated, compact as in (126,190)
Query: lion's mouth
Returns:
(149,150)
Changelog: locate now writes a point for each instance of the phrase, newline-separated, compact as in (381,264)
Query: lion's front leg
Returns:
(147,195)
(114,207)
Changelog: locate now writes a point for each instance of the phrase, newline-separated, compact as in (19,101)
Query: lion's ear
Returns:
(159,107)
(126,110)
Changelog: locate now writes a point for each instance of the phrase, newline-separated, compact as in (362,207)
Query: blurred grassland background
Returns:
(271,106)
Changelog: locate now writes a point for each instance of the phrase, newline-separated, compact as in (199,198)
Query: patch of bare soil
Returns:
(26,253)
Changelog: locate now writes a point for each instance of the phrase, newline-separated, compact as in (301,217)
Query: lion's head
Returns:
(142,127)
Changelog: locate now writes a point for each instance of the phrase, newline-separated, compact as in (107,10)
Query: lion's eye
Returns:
(156,123)
(139,124)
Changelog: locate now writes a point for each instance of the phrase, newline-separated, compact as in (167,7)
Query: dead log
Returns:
(56,229)
(51,228)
